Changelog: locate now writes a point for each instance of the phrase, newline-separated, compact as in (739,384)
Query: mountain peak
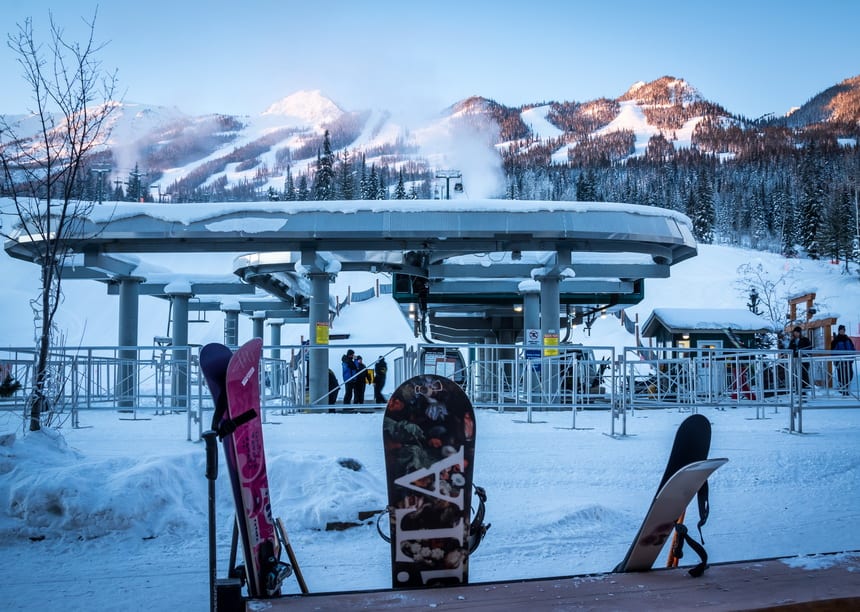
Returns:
(667,90)
(839,103)
(472,104)
(310,106)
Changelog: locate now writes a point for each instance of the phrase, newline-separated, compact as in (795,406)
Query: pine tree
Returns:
(812,194)
(400,190)
(303,193)
(289,188)
(324,179)
(758,225)
(368,191)
(786,216)
(118,193)
(346,182)
(703,216)
(585,187)
(381,190)
(855,242)
(134,191)
(364,178)
(836,229)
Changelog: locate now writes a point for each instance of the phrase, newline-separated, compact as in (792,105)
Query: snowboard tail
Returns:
(429,442)
(686,476)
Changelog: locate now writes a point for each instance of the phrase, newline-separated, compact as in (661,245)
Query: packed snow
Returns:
(113,515)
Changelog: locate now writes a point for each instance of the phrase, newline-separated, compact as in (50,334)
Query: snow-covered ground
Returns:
(115,518)
(112,516)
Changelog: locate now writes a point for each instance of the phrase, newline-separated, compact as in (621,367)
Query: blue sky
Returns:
(753,57)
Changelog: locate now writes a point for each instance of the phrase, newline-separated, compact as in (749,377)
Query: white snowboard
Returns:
(668,505)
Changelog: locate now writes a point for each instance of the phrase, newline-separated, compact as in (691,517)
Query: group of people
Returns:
(356,377)
(840,342)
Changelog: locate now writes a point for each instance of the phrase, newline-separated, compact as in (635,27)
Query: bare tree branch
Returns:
(72,103)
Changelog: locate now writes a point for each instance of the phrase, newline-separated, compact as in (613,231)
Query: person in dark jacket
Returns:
(380,370)
(349,371)
(333,387)
(361,380)
(844,364)
(799,343)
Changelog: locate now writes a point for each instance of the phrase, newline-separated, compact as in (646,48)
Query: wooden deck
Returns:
(820,582)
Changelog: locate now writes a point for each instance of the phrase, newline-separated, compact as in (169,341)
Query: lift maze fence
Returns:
(146,382)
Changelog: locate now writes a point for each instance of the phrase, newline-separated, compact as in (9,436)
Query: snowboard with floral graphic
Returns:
(429,439)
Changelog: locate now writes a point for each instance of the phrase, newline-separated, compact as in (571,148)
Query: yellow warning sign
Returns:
(550,341)
(322,333)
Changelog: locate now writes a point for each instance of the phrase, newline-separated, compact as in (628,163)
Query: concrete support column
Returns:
(318,360)
(531,310)
(549,279)
(129,308)
(532,337)
(549,317)
(275,337)
(549,308)
(181,352)
(258,324)
(277,368)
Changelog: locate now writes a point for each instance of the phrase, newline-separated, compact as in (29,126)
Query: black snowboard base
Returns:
(429,441)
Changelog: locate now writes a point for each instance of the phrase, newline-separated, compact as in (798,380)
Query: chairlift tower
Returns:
(448,175)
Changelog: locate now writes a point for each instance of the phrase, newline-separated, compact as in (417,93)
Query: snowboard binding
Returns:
(275,577)
(477,531)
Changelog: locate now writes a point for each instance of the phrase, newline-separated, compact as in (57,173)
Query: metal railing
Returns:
(161,380)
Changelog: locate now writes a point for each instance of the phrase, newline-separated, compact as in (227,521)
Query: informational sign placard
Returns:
(550,342)
(322,333)
(532,344)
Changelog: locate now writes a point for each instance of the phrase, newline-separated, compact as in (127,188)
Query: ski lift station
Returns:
(468,271)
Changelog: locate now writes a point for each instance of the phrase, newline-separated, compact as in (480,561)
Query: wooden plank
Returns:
(822,582)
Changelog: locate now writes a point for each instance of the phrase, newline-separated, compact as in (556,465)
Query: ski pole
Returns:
(211,474)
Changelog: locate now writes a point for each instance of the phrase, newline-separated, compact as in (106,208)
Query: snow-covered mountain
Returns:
(184,155)
(309,107)
(838,104)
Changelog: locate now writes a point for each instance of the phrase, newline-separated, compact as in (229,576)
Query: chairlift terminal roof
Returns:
(607,244)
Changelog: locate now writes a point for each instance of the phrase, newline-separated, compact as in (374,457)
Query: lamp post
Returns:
(754,300)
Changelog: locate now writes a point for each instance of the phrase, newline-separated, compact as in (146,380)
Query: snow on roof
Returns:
(213,213)
(736,319)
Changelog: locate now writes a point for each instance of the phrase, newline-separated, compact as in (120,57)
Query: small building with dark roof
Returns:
(705,327)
